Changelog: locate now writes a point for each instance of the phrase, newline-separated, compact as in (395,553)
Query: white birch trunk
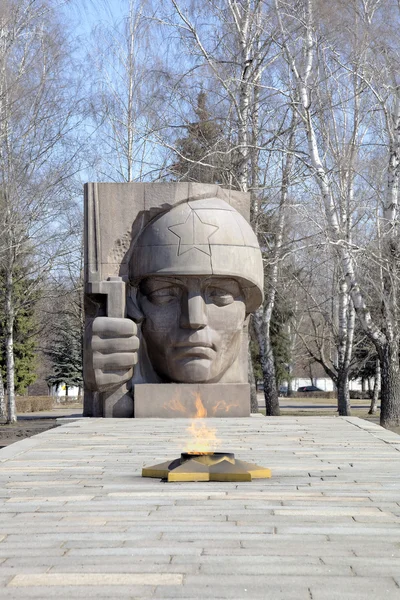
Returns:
(9,318)
(3,409)
(292,335)
(345,338)
(133,23)
(242,14)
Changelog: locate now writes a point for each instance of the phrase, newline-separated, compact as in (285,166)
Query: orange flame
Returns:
(203,439)
(176,405)
(201,411)
(222,406)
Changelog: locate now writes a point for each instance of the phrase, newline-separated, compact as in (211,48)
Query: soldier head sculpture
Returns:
(196,273)
(191,276)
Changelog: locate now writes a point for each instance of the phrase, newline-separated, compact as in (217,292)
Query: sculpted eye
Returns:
(164,295)
(220,296)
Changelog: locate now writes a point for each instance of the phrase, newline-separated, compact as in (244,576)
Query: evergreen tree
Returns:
(66,355)
(25,333)
(202,154)
(25,345)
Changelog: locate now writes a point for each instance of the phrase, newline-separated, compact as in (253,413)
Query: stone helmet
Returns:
(201,237)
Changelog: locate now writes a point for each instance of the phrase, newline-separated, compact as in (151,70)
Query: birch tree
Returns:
(303,68)
(3,410)
(263,316)
(37,155)
(235,49)
(327,329)
(125,97)
(227,49)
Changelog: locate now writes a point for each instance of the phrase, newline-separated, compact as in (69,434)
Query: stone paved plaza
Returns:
(78,521)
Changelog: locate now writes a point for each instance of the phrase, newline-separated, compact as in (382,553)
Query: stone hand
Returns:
(111,353)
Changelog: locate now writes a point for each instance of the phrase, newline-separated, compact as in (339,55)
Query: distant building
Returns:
(61,391)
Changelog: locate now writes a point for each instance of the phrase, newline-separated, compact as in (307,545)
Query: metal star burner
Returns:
(206,466)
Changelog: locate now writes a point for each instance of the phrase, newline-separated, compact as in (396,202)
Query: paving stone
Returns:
(31,542)
(80,519)
(234,592)
(94,579)
(151,552)
(277,570)
(127,567)
(351,529)
(285,550)
(379,569)
(67,545)
(90,536)
(336,511)
(356,589)
(200,544)
(78,592)
(21,563)
(32,552)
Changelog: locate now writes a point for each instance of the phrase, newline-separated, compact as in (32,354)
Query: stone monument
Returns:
(172,272)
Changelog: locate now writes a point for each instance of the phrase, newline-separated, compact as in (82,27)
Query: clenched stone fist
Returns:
(111,347)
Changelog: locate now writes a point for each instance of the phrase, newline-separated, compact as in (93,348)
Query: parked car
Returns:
(283,390)
(309,388)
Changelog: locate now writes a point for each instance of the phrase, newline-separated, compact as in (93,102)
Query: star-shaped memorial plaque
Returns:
(193,233)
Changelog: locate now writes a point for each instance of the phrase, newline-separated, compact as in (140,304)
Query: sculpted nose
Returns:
(193,315)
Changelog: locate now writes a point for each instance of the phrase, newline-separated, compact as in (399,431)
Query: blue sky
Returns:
(85,14)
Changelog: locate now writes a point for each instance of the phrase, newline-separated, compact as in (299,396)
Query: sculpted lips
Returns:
(194,349)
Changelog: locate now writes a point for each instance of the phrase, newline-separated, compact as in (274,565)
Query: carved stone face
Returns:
(192,325)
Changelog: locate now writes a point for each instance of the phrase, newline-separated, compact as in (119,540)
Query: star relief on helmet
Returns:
(193,233)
